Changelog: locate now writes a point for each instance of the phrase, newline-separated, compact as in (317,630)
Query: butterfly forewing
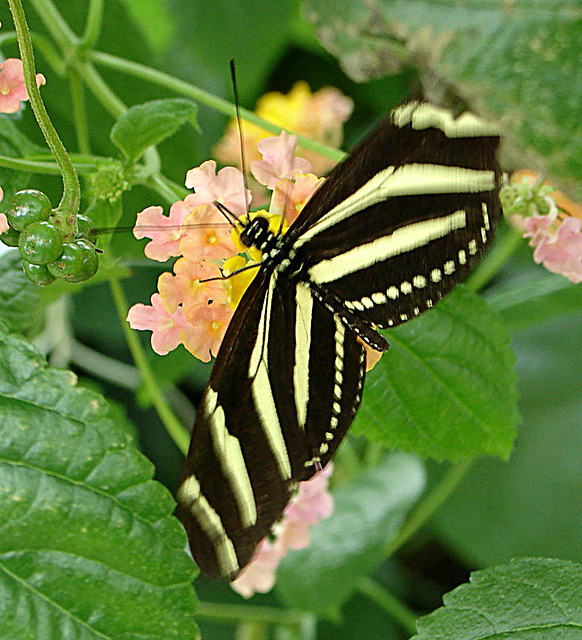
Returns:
(270,417)
(394,227)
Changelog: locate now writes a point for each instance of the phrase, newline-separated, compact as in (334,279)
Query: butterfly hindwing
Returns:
(270,417)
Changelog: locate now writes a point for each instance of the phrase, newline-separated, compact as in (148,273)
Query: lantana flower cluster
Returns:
(194,303)
(552,222)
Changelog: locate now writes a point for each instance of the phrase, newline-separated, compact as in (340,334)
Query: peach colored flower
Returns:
(185,287)
(278,161)
(226,187)
(164,231)
(207,324)
(165,327)
(206,235)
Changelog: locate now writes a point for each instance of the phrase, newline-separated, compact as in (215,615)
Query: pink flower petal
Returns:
(207,324)
(3,223)
(164,231)
(278,160)
(562,253)
(227,187)
(185,287)
(165,327)
(206,235)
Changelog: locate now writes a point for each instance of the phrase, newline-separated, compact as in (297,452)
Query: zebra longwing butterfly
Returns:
(395,226)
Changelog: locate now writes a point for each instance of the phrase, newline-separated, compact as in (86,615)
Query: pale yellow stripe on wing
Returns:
(407,180)
(304,307)
(263,399)
(232,462)
(424,115)
(402,240)
(190,495)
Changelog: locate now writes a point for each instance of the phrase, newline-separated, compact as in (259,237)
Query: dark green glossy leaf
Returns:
(527,599)
(88,545)
(446,387)
(20,301)
(368,513)
(148,124)
(529,505)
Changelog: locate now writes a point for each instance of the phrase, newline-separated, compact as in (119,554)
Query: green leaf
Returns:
(521,65)
(529,505)
(368,513)
(446,387)
(88,545)
(148,124)
(527,599)
(20,302)
(535,298)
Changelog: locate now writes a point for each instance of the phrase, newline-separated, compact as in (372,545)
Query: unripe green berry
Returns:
(38,273)
(40,243)
(10,237)
(77,262)
(86,229)
(26,207)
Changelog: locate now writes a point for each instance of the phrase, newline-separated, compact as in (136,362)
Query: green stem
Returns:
(508,240)
(71,198)
(93,26)
(383,598)
(237,613)
(429,505)
(55,24)
(223,106)
(176,430)
(79,112)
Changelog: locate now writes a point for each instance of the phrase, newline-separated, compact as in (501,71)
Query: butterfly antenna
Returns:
(243,163)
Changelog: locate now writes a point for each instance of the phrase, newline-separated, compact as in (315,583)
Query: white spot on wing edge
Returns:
(189,494)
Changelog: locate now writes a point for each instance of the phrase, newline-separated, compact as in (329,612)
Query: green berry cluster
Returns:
(46,254)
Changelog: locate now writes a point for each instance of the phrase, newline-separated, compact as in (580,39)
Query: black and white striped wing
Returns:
(283,392)
(416,206)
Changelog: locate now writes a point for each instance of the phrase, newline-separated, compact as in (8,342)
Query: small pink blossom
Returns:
(259,575)
(279,160)
(12,87)
(165,327)
(207,324)
(559,252)
(163,230)
(207,235)
(312,503)
(289,197)
(186,289)
(227,187)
